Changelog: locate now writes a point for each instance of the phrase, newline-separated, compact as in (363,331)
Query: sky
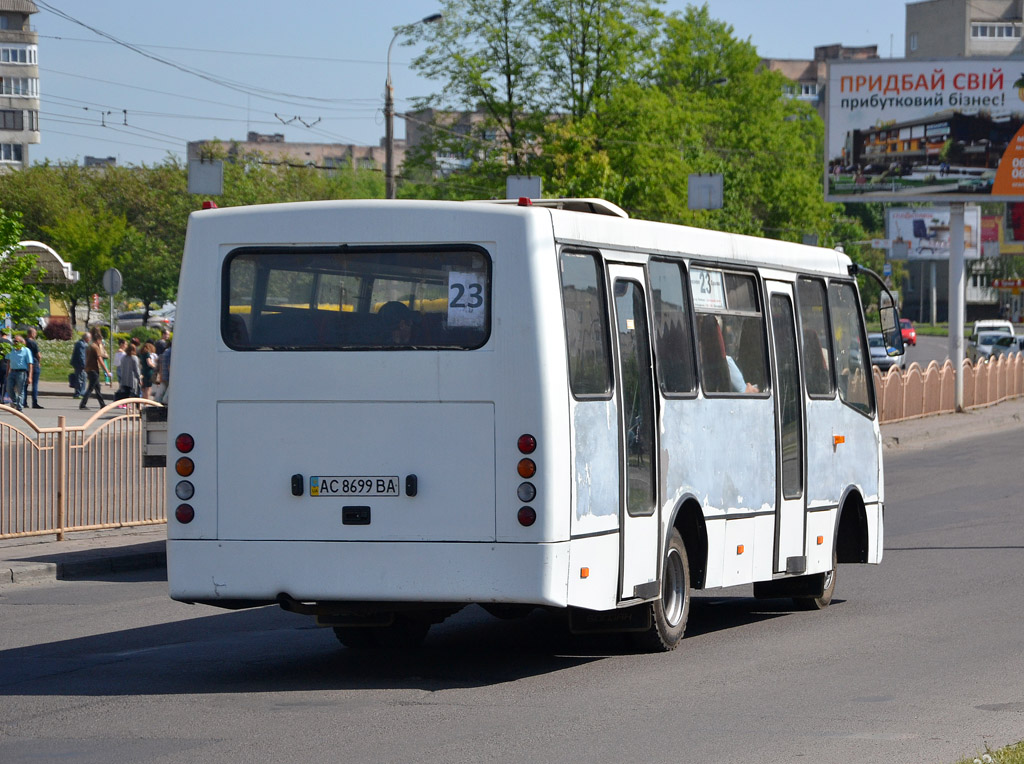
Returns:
(314,71)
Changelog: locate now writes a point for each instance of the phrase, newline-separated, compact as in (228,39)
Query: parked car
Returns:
(980,344)
(908,331)
(879,356)
(1007,345)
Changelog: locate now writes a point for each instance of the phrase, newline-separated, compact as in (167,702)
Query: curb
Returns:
(83,565)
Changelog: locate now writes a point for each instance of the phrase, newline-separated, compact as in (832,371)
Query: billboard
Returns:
(949,130)
(926,232)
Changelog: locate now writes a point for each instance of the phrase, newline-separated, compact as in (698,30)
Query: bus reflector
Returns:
(184,514)
(184,443)
(527,468)
(527,444)
(584,572)
(527,517)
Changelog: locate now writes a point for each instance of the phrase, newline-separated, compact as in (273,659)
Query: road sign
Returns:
(112,281)
(887,269)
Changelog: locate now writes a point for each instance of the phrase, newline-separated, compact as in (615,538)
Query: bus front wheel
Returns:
(825,599)
(670,611)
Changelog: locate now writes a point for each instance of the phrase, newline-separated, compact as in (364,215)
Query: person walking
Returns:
(78,363)
(95,359)
(129,375)
(163,342)
(32,345)
(19,370)
(147,363)
(5,348)
(163,378)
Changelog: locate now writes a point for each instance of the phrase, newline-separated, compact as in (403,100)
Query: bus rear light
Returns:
(527,444)
(184,514)
(184,490)
(527,516)
(184,466)
(527,468)
(526,492)
(184,443)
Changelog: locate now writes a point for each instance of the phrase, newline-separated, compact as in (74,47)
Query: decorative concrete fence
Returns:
(90,477)
(919,392)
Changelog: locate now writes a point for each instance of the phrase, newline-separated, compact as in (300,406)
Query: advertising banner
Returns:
(926,232)
(948,130)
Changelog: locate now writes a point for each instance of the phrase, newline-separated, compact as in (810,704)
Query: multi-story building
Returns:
(808,76)
(272,148)
(19,83)
(964,28)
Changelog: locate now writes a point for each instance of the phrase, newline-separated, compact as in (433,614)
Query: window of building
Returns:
(913,41)
(995,31)
(809,89)
(18,54)
(10,152)
(12,119)
(19,86)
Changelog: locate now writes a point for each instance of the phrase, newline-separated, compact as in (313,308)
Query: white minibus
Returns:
(382,411)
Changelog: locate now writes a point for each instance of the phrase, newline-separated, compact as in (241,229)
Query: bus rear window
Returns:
(356,298)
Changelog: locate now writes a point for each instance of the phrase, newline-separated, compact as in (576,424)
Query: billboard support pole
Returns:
(957,298)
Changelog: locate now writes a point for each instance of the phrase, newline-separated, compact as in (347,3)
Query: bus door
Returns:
(638,448)
(790,492)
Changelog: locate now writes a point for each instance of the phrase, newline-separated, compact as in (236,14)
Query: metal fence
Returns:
(88,477)
(919,392)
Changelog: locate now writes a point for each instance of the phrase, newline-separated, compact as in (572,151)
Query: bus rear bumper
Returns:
(260,571)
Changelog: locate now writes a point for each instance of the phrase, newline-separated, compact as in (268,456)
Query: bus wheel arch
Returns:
(851,543)
(689,521)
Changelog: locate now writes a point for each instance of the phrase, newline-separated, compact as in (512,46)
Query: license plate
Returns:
(353,485)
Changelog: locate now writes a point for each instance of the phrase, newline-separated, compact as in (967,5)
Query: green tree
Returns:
(149,268)
(18,297)
(90,240)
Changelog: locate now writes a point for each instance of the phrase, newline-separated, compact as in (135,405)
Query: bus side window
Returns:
(851,359)
(586,325)
(672,331)
(817,346)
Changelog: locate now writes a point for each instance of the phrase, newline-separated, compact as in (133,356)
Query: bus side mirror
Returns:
(889,316)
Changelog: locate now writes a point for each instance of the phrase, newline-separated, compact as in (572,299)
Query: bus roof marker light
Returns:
(527,444)
(525,201)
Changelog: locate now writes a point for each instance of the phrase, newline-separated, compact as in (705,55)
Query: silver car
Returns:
(1007,345)
(879,356)
(980,344)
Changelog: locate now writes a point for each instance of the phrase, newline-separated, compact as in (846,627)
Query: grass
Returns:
(1011,754)
(939,330)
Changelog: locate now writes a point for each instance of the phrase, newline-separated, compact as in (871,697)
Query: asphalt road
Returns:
(918,659)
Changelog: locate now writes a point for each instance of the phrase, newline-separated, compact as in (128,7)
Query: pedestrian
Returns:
(163,376)
(147,365)
(116,364)
(5,348)
(161,344)
(37,363)
(19,370)
(95,359)
(78,363)
(129,375)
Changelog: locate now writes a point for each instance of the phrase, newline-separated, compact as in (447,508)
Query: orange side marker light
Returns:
(584,572)
(821,540)
(739,549)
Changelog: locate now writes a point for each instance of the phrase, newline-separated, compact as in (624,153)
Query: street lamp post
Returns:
(389,112)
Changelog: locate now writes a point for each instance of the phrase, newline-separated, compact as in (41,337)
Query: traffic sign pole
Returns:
(112,285)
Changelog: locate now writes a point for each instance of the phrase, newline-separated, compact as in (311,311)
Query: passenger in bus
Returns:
(714,367)
(397,322)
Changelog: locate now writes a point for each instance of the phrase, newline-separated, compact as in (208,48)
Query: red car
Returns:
(908,331)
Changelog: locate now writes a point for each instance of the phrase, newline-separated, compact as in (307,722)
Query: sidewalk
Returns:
(92,553)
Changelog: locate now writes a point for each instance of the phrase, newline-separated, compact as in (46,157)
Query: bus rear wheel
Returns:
(825,598)
(670,611)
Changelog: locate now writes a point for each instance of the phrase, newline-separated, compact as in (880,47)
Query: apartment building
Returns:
(964,28)
(272,148)
(808,76)
(19,83)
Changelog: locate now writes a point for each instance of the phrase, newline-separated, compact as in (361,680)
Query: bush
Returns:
(57,329)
